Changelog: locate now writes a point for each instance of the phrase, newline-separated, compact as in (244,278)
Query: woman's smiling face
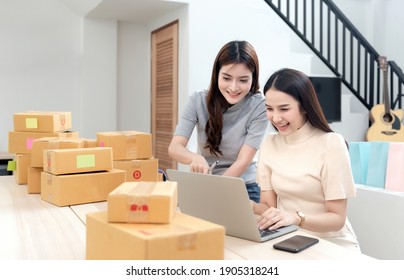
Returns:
(234,82)
(284,112)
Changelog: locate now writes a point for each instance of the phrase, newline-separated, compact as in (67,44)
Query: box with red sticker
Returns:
(139,169)
(185,238)
(143,202)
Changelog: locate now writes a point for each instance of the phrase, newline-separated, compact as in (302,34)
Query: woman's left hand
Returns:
(274,218)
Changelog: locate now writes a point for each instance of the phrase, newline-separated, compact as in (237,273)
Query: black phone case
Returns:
(296,244)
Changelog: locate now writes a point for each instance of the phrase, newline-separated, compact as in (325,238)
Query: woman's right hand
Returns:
(199,164)
(179,152)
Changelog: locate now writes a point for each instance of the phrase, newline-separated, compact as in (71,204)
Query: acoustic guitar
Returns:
(386,123)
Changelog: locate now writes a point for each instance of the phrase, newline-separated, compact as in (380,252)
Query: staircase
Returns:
(341,47)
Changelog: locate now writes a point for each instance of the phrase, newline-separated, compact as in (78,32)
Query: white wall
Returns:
(40,60)
(133,77)
(98,91)
(52,58)
(253,21)
(134,81)
(394,40)
(382,24)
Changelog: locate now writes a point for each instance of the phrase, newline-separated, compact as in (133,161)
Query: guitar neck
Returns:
(385,93)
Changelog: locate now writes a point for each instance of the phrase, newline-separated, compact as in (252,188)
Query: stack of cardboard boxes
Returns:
(141,222)
(38,146)
(37,139)
(78,175)
(132,152)
(32,125)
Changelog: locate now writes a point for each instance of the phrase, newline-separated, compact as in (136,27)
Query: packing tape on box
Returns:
(62,120)
(131,153)
(131,142)
(49,179)
(132,148)
(124,133)
(54,144)
(138,202)
(48,161)
(135,163)
(186,238)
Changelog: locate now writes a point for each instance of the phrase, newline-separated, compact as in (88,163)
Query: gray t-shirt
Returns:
(243,123)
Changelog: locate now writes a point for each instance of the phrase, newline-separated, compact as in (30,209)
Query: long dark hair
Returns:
(234,52)
(299,86)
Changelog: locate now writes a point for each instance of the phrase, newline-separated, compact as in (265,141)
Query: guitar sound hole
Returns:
(387,118)
(389,132)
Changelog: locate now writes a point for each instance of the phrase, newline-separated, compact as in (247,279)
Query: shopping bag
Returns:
(359,157)
(395,168)
(377,164)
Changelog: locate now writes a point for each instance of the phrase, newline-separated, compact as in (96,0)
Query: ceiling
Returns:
(139,11)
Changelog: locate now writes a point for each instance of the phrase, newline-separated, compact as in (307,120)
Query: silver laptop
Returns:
(222,200)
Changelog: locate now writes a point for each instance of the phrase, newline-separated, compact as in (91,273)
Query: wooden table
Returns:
(35,229)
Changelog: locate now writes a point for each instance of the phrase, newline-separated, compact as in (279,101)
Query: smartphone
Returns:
(296,244)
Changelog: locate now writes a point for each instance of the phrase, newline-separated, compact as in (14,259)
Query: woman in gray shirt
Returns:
(229,118)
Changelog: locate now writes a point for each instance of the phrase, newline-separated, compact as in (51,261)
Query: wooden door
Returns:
(164,101)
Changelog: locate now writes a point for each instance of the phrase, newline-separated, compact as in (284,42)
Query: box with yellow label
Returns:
(20,142)
(139,169)
(42,121)
(143,202)
(63,190)
(127,144)
(50,143)
(80,160)
(185,238)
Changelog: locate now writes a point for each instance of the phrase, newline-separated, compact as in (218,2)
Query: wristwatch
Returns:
(302,217)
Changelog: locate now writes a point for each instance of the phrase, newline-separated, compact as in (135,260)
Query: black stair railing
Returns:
(336,41)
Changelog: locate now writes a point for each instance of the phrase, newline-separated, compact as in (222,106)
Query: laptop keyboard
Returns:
(266,232)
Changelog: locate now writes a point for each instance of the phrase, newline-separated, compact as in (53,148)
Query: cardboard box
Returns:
(143,202)
(185,238)
(68,161)
(127,144)
(139,169)
(34,179)
(63,190)
(23,161)
(42,121)
(90,143)
(50,143)
(20,142)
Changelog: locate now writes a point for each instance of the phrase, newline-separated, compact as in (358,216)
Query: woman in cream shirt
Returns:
(303,169)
